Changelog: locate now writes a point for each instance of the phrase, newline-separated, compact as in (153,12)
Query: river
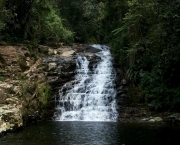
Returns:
(93,133)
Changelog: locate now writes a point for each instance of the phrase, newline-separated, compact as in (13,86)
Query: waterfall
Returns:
(91,97)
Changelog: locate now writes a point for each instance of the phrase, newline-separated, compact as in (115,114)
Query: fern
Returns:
(118,30)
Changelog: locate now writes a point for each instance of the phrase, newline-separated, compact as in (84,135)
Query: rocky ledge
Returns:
(23,88)
(62,63)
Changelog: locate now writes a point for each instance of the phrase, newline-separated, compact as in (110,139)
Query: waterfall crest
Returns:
(91,97)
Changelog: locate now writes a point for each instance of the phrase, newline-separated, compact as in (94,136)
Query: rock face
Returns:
(10,115)
(60,69)
(173,118)
(12,59)
(91,49)
(18,73)
(61,66)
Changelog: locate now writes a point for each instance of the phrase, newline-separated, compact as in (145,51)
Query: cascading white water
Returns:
(92,97)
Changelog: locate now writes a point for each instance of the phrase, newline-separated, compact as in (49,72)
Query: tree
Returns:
(84,18)
(35,20)
(150,54)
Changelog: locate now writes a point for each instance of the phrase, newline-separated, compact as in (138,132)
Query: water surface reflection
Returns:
(93,133)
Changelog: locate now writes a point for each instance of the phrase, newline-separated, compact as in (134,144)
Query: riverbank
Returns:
(139,113)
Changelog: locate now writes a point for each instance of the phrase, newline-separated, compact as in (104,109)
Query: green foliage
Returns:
(151,53)
(157,94)
(43,93)
(137,99)
(2,78)
(113,19)
(35,97)
(2,16)
(47,25)
(119,48)
(31,20)
(84,18)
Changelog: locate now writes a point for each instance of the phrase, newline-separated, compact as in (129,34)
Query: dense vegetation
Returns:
(147,45)
(144,36)
(34,20)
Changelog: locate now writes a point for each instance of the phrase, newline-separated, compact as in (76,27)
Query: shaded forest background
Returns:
(143,34)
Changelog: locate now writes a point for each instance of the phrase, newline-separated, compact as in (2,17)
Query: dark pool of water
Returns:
(93,133)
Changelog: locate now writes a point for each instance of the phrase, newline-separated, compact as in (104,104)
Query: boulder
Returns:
(152,120)
(68,53)
(91,49)
(10,117)
(52,65)
(174,118)
(158,119)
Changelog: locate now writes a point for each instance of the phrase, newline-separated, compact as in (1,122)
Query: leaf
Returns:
(116,31)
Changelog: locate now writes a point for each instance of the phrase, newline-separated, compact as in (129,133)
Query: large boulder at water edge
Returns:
(10,115)
(173,118)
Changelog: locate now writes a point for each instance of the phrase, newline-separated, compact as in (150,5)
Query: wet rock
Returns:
(121,92)
(120,88)
(158,119)
(52,66)
(68,53)
(91,49)
(123,95)
(152,120)
(144,119)
(52,79)
(10,117)
(174,118)
(61,68)
(124,82)
(52,51)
